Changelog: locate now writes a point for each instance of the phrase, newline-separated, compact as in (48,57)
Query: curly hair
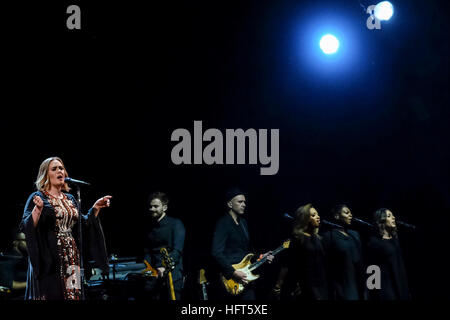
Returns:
(302,221)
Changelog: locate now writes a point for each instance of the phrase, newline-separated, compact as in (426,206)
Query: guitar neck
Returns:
(171,288)
(205,294)
(258,263)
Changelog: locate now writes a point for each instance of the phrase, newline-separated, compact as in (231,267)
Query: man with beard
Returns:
(164,232)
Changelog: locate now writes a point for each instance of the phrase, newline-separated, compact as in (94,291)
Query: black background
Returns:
(106,99)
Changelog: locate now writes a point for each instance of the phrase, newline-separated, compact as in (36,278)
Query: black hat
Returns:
(233,192)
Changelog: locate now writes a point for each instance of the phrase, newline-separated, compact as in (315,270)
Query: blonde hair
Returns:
(43,182)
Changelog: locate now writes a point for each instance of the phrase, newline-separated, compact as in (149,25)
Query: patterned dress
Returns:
(68,254)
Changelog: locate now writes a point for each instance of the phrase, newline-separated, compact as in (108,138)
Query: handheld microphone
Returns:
(363,222)
(404,224)
(74,181)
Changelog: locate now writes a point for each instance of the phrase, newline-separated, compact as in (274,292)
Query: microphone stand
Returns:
(404,224)
(331,224)
(80,234)
(363,222)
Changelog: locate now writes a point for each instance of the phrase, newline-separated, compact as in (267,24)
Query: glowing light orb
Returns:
(329,44)
(384,10)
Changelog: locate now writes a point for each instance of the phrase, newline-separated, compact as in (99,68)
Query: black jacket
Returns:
(43,277)
(170,234)
(230,243)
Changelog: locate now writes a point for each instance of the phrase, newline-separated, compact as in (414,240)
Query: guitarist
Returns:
(164,232)
(231,242)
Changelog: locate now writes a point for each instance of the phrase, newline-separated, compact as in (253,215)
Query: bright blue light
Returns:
(329,44)
(320,32)
(384,10)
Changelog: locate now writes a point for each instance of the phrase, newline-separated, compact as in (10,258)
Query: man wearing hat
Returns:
(231,242)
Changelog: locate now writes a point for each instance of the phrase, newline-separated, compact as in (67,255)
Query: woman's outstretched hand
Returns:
(103,202)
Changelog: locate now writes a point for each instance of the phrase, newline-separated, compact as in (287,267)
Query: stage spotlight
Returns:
(329,44)
(384,11)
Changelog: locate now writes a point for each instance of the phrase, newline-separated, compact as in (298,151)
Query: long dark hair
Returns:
(379,218)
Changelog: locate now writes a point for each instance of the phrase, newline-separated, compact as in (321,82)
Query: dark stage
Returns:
(368,127)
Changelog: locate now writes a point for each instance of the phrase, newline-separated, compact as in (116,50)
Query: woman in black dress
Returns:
(384,251)
(303,276)
(344,262)
(50,222)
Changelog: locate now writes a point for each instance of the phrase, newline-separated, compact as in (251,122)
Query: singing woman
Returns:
(344,262)
(304,276)
(50,222)
(384,251)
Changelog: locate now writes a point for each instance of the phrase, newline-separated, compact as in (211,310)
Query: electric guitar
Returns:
(5,290)
(169,264)
(149,271)
(203,283)
(245,266)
